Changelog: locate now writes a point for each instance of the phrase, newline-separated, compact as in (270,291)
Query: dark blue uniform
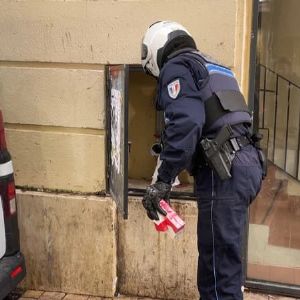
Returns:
(186,81)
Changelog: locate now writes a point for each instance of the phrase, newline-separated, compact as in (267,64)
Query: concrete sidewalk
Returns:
(42,295)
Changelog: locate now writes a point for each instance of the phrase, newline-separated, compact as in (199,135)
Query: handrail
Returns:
(281,76)
(265,111)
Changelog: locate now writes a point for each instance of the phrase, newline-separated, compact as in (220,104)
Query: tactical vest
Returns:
(219,90)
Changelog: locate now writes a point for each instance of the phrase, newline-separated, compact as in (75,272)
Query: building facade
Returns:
(53,93)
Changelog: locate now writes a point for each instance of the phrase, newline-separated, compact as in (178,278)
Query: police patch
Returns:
(174,88)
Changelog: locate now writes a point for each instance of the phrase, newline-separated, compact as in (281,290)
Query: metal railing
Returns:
(269,119)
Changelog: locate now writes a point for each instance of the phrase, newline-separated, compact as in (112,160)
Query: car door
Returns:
(2,231)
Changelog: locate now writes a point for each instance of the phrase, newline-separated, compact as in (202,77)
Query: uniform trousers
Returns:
(222,216)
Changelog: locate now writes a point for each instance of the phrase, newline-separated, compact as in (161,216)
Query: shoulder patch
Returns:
(174,88)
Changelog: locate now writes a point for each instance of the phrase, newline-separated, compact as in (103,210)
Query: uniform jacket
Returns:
(186,81)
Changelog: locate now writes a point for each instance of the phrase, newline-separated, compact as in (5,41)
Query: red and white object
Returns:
(171,220)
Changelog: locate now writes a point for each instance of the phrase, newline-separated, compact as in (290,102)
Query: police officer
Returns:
(200,98)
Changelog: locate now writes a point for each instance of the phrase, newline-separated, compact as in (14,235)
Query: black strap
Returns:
(221,103)
(237,143)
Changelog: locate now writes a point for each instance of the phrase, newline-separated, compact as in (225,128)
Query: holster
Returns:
(220,152)
(217,153)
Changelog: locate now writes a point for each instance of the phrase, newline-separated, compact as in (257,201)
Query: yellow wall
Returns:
(52,62)
(141,125)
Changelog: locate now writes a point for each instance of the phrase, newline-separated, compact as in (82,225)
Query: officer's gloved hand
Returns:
(155,193)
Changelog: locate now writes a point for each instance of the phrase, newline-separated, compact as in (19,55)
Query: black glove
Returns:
(154,193)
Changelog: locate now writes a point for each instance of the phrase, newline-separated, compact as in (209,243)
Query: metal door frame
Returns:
(108,136)
(130,191)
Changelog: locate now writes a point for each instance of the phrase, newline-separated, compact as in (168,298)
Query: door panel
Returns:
(117,85)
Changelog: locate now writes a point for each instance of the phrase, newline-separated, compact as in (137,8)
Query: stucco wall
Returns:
(108,31)
(52,92)
(153,264)
(69,242)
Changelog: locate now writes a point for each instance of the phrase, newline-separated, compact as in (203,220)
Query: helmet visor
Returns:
(144,51)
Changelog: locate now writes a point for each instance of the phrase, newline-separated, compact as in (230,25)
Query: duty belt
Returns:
(237,143)
(219,152)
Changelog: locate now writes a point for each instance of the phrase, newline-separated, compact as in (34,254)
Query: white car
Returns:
(12,264)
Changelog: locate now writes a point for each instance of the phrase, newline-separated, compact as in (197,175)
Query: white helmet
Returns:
(161,39)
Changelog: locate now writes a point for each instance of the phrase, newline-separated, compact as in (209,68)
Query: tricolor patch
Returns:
(174,88)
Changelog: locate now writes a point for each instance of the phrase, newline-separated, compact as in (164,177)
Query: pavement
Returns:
(43,295)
